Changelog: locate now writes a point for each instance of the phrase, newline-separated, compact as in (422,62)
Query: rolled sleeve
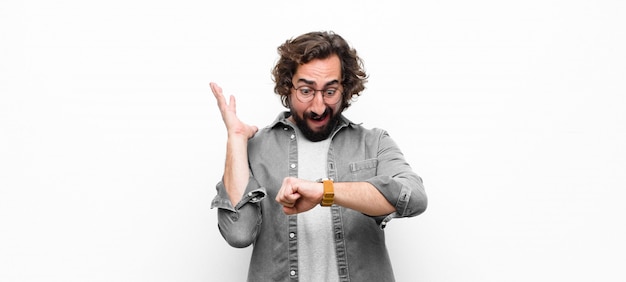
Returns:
(397,181)
(239,225)
(406,195)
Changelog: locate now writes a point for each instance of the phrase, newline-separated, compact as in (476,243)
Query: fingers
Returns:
(228,109)
(288,194)
(221,100)
(287,197)
(216,89)
(217,92)
(289,211)
(233,104)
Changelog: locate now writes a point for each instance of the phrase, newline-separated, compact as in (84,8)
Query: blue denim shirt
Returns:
(355,154)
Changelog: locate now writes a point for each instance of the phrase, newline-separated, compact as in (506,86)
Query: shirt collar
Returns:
(281,119)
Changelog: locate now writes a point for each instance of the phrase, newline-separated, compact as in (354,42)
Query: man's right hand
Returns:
(234,126)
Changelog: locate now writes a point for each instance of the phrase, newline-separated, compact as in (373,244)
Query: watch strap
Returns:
(328,198)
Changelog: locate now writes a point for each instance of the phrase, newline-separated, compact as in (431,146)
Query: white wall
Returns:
(511,111)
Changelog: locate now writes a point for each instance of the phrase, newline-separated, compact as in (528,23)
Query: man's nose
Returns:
(318,105)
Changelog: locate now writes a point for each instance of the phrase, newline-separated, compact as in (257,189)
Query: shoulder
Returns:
(358,132)
(363,130)
(275,130)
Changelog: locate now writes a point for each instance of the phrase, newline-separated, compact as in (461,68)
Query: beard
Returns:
(321,134)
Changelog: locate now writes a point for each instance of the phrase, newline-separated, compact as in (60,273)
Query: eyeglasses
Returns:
(331,95)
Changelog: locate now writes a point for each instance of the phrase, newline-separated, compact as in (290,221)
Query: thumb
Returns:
(253,130)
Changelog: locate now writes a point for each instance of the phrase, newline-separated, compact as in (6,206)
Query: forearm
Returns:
(236,171)
(362,197)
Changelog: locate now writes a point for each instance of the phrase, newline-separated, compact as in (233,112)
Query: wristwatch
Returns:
(329,192)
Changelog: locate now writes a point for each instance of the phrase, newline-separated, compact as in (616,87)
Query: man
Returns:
(313,191)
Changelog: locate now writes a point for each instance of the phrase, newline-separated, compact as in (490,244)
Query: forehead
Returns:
(319,71)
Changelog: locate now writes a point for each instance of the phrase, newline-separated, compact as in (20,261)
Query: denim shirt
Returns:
(355,154)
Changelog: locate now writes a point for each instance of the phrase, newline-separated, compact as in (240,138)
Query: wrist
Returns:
(234,135)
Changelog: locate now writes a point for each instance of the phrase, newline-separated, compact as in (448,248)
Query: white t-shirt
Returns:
(317,260)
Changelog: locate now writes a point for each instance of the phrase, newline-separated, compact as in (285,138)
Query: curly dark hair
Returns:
(319,45)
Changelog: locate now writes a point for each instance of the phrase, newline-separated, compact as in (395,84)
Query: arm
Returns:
(362,197)
(236,172)
(395,189)
(237,212)
(396,180)
(297,195)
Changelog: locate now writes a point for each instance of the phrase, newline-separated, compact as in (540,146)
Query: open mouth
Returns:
(319,117)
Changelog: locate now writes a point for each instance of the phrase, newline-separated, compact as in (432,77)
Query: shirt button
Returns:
(292,235)
(293,165)
(293,273)
(285,128)
(292,136)
(250,194)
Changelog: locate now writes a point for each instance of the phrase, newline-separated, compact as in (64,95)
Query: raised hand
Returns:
(236,168)
(234,126)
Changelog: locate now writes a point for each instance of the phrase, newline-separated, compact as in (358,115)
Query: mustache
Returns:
(313,115)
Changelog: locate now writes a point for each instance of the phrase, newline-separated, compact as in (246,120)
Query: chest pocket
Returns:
(363,170)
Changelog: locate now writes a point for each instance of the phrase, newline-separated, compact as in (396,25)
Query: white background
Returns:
(512,111)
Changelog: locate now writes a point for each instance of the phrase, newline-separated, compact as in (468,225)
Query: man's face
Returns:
(317,118)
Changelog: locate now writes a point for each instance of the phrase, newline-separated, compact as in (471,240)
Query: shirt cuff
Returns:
(253,194)
(397,194)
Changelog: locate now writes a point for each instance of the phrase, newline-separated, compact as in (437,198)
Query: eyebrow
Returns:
(310,82)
